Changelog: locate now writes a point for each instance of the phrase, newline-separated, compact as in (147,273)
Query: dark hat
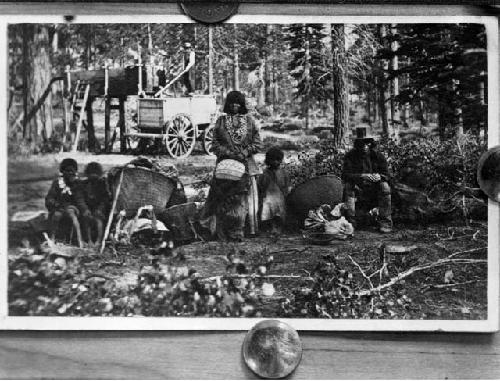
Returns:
(68,163)
(94,168)
(235,97)
(362,133)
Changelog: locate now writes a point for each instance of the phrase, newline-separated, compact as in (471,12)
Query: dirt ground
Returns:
(449,290)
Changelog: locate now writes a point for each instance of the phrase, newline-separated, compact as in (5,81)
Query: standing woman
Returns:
(231,203)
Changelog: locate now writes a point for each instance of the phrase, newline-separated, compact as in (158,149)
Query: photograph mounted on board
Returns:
(285,170)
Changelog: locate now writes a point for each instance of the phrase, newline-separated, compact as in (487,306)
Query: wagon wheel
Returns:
(180,136)
(208,138)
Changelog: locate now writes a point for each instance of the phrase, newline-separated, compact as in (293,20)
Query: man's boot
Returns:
(351,210)
(385,219)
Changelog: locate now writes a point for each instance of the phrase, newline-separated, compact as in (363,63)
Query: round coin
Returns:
(488,173)
(210,12)
(272,349)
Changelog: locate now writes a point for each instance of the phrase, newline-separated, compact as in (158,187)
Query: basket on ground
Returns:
(142,186)
(182,220)
(317,191)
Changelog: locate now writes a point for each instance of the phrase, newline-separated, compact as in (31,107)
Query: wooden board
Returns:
(207,355)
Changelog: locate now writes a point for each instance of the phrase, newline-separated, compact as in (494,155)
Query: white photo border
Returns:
(225,324)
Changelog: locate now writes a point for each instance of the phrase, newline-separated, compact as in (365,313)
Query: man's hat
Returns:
(187,45)
(362,133)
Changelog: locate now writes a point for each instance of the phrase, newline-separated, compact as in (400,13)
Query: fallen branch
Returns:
(111,263)
(289,251)
(446,285)
(100,276)
(468,251)
(453,238)
(237,276)
(361,270)
(412,270)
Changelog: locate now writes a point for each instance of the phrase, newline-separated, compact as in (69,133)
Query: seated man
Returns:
(65,200)
(366,169)
(97,199)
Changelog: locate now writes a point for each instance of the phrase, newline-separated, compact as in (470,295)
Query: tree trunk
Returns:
(261,93)
(340,96)
(275,74)
(236,62)
(457,111)
(88,46)
(42,71)
(29,126)
(395,115)
(210,60)
(306,79)
(383,85)
(368,104)
(376,113)
(268,74)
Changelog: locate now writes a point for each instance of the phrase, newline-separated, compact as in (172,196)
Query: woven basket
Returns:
(229,169)
(180,219)
(140,187)
(313,193)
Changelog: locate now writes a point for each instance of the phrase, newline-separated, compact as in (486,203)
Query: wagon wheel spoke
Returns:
(180,136)
(172,143)
(180,149)
(175,126)
(208,139)
(185,145)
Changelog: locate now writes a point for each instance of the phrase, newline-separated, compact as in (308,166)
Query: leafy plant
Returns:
(445,167)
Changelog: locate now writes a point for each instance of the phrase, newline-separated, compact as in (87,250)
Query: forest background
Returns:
(318,75)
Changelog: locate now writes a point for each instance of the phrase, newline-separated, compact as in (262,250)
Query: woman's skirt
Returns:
(228,207)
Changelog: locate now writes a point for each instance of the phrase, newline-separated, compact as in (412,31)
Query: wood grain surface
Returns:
(210,355)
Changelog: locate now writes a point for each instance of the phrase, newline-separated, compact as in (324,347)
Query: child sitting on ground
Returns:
(97,199)
(65,200)
(273,187)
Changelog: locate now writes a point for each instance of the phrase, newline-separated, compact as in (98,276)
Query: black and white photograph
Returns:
(316,171)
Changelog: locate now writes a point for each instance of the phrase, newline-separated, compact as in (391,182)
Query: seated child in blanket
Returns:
(97,199)
(273,187)
(65,200)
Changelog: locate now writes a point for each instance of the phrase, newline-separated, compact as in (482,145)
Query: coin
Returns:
(210,11)
(488,173)
(272,349)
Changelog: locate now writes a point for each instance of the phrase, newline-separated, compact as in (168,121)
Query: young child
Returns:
(65,199)
(273,187)
(97,199)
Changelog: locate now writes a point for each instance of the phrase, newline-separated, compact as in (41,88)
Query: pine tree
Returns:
(308,65)
(447,64)
(339,80)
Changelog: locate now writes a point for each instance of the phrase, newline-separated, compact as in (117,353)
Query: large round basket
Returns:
(180,219)
(140,187)
(317,191)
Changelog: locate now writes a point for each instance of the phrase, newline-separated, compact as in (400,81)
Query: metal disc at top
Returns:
(210,12)
(272,349)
